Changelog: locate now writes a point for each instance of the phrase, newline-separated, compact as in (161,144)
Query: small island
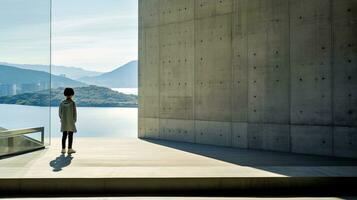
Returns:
(90,96)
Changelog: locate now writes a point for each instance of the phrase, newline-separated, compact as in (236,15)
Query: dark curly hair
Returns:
(68,92)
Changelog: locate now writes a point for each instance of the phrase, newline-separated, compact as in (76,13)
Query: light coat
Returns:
(68,115)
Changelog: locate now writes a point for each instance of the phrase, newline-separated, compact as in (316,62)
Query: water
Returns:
(126,90)
(92,121)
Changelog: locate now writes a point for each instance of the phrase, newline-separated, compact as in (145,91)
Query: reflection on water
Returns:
(126,90)
(92,122)
(101,122)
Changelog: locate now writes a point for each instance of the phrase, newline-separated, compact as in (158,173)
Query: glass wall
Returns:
(95,44)
(25,80)
(89,39)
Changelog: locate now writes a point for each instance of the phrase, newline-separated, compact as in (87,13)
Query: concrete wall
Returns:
(262,74)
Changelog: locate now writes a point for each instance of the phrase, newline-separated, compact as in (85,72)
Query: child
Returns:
(68,116)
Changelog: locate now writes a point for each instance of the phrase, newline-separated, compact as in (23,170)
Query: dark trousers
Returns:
(70,139)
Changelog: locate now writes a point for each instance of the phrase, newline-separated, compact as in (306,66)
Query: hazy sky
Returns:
(25,31)
(93,34)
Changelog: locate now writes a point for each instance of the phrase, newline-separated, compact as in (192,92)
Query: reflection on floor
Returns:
(18,144)
(109,157)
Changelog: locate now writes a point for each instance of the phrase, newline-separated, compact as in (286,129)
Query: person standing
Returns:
(68,116)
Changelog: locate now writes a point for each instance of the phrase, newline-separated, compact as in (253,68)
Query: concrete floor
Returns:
(115,157)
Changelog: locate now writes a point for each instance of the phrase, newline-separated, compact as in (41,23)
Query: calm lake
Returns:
(92,121)
(126,90)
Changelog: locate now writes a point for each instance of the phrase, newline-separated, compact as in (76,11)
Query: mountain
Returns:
(32,78)
(92,96)
(69,72)
(125,76)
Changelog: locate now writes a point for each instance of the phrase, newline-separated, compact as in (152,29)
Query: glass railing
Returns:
(19,141)
(25,75)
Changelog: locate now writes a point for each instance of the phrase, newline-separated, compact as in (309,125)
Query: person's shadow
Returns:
(61,162)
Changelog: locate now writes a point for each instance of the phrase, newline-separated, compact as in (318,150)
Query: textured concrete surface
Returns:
(260,74)
(125,158)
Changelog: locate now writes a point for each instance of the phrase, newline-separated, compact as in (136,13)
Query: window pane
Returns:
(24,68)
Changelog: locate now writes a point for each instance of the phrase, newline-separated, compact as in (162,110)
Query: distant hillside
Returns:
(125,76)
(69,72)
(92,96)
(18,76)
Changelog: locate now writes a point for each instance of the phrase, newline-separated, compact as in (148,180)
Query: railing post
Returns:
(43,135)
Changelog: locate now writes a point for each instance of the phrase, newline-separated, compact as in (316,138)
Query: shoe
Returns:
(63,151)
(70,151)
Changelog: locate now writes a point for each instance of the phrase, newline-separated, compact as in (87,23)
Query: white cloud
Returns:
(82,37)
(97,43)
(85,22)
(97,58)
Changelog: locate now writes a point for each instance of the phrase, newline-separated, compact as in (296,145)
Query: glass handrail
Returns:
(18,141)
(18,132)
